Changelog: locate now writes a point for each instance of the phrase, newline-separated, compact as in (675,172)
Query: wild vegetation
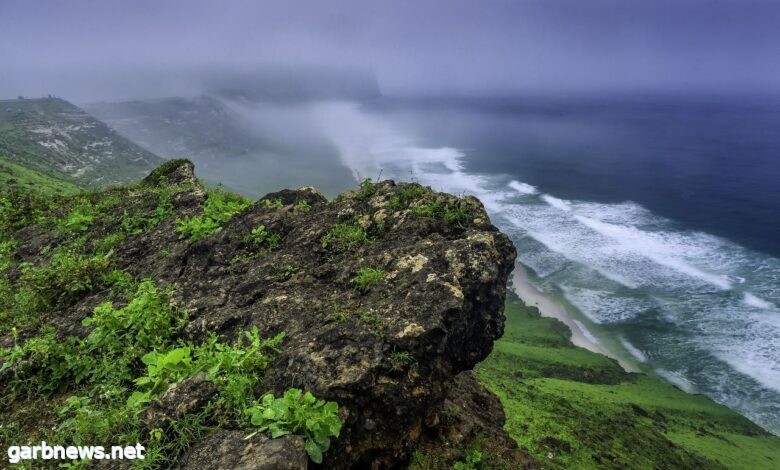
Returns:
(101,379)
(571,408)
(220,207)
(93,352)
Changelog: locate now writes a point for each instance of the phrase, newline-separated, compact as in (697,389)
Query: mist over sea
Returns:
(653,219)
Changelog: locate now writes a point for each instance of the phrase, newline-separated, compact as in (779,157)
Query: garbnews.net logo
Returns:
(46,452)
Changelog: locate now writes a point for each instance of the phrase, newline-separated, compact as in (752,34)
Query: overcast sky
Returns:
(101,47)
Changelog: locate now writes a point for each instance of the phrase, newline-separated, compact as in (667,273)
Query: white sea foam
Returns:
(586,332)
(523,188)
(559,204)
(703,296)
(636,353)
(677,379)
(753,301)
(662,248)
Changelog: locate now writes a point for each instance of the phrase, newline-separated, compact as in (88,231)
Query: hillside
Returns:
(52,137)
(254,148)
(572,408)
(192,320)
(200,128)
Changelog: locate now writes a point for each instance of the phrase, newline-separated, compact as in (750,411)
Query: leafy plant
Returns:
(237,369)
(300,413)
(220,207)
(69,273)
(366,278)
(406,195)
(259,236)
(78,220)
(470,462)
(453,213)
(147,322)
(302,205)
(277,203)
(6,249)
(367,189)
(162,369)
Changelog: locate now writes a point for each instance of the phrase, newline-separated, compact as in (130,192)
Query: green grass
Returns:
(345,237)
(17,176)
(365,278)
(571,408)
(452,212)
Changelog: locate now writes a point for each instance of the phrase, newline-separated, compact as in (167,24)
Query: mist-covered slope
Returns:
(56,138)
(252,147)
(200,128)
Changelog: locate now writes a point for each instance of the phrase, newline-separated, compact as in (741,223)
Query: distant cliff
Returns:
(56,138)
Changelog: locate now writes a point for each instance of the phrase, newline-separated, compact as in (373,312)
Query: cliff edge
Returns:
(381,301)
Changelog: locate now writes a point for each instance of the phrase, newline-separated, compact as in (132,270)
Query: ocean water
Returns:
(656,220)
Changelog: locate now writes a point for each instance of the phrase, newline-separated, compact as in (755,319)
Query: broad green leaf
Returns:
(314,451)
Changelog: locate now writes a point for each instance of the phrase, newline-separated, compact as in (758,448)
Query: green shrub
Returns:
(406,195)
(345,237)
(259,237)
(6,250)
(220,207)
(276,203)
(454,213)
(298,413)
(367,189)
(302,205)
(366,278)
(78,220)
(470,461)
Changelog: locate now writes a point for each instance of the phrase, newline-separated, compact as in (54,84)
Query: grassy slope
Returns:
(12,175)
(576,409)
(85,143)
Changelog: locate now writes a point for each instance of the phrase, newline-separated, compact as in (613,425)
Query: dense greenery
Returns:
(106,380)
(572,408)
(74,262)
(94,384)
(220,207)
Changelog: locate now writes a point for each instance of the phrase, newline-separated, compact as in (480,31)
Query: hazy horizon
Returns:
(106,50)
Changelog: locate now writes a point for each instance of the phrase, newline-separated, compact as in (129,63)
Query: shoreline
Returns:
(532,296)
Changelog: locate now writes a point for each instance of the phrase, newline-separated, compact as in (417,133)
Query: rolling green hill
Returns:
(573,408)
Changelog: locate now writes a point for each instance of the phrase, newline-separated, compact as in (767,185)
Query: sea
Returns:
(655,219)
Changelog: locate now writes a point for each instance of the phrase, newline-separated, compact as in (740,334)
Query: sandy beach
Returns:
(533,296)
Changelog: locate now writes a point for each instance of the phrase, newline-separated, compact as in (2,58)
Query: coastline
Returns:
(532,296)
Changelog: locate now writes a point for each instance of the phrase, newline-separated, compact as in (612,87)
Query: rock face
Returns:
(392,354)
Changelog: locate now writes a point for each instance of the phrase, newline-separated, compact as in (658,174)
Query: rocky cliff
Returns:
(386,297)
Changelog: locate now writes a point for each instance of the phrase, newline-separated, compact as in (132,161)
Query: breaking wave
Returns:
(691,307)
